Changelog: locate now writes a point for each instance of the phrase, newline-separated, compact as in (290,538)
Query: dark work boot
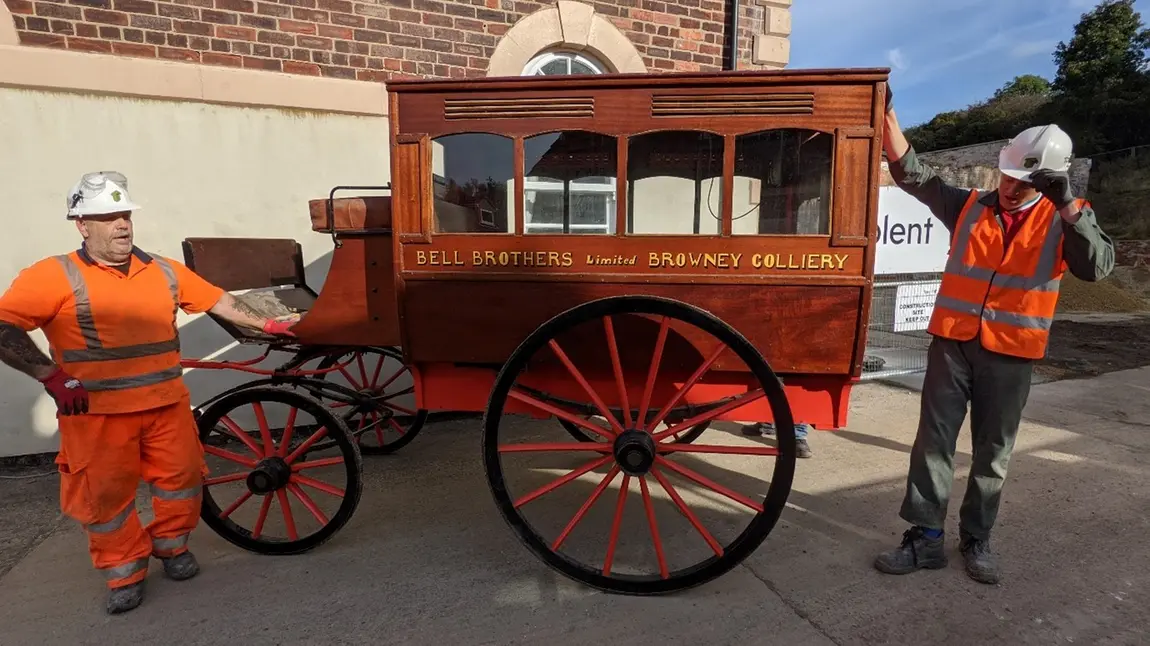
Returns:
(181,567)
(803,449)
(981,564)
(125,598)
(917,551)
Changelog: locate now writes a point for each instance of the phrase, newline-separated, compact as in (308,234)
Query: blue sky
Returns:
(944,55)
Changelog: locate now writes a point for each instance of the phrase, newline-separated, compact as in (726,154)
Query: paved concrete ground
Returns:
(428,560)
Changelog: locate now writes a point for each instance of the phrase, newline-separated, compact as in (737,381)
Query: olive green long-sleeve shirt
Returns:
(1088,251)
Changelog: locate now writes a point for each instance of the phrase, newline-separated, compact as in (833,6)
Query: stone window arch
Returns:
(564,30)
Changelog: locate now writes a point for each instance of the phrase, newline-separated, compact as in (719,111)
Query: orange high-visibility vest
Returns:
(1005,296)
(131,365)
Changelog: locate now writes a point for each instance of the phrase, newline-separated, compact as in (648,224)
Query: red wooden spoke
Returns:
(617,364)
(656,359)
(586,506)
(236,505)
(241,435)
(375,375)
(402,409)
(654,528)
(554,446)
(302,448)
(307,502)
(265,432)
(686,511)
(289,520)
(316,484)
(235,477)
(394,424)
(264,507)
(316,464)
(289,428)
(362,369)
(687,386)
(707,482)
(228,455)
(613,540)
(561,414)
(712,448)
(586,386)
(552,486)
(741,400)
(350,379)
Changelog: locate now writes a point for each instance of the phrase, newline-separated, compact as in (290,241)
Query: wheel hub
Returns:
(269,475)
(634,452)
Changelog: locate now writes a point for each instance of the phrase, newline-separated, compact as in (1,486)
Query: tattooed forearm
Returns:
(238,312)
(18,351)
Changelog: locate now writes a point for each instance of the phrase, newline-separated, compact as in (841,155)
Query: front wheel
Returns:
(640,452)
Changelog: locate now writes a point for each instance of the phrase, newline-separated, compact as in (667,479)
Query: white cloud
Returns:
(1027,49)
(897,59)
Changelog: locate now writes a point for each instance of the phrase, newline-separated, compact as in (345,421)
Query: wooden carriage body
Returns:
(752,195)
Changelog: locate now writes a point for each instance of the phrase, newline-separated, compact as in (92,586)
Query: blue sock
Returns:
(932,534)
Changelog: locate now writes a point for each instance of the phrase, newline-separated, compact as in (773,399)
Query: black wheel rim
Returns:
(770,505)
(277,472)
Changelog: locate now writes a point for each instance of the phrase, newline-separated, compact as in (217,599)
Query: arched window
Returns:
(583,201)
(559,63)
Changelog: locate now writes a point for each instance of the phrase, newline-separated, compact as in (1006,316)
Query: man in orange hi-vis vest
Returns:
(1009,249)
(108,311)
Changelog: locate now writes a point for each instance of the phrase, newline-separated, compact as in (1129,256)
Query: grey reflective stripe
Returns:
(83,305)
(169,543)
(124,352)
(997,316)
(115,523)
(179,494)
(95,349)
(134,381)
(125,570)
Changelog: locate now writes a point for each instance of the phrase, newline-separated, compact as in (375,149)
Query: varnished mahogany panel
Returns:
(234,264)
(798,329)
(357,305)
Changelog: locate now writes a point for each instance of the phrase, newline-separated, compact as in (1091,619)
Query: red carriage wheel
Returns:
(638,451)
(273,467)
(384,426)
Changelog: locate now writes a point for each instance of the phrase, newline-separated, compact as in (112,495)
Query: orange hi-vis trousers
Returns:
(102,460)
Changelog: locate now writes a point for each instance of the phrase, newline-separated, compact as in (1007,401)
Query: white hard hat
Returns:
(98,194)
(1040,147)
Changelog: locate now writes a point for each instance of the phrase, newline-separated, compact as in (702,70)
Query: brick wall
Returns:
(371,41)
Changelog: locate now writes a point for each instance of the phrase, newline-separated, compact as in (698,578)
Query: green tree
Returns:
(1102,88)
(1028,85)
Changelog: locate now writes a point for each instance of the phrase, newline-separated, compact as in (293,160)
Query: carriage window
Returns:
(782,183)
(675,183)
(569,183)
(473,175)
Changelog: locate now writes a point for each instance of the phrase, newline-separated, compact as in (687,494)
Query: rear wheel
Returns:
(638,451)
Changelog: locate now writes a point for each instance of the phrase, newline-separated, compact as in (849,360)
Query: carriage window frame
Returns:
(518,184)
(434,180)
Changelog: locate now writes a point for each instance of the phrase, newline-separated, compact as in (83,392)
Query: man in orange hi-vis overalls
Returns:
(109,313)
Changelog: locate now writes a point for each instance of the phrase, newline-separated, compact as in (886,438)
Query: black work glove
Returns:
(1055,185)
(889,97)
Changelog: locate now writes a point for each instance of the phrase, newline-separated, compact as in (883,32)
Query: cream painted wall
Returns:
(198,169)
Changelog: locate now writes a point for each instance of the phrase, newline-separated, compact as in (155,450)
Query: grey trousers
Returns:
(996,387)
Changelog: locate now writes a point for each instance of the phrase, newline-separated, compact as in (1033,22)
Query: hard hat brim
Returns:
(1020,175)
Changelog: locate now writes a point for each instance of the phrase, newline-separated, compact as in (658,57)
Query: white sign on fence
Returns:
(910,239)
(913,305)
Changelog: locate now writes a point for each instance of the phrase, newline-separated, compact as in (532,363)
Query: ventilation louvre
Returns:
(706,105)
(518,108)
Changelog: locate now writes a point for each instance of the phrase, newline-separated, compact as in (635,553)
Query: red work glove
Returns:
(280,328)
(70,395)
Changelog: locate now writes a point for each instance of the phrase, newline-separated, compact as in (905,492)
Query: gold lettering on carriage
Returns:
(816,261)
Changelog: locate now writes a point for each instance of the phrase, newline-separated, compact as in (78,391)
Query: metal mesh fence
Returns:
(900,311)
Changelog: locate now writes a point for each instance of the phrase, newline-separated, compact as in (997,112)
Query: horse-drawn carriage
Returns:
(640,258)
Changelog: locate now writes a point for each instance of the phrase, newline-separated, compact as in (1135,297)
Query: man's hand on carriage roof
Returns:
(235,311)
